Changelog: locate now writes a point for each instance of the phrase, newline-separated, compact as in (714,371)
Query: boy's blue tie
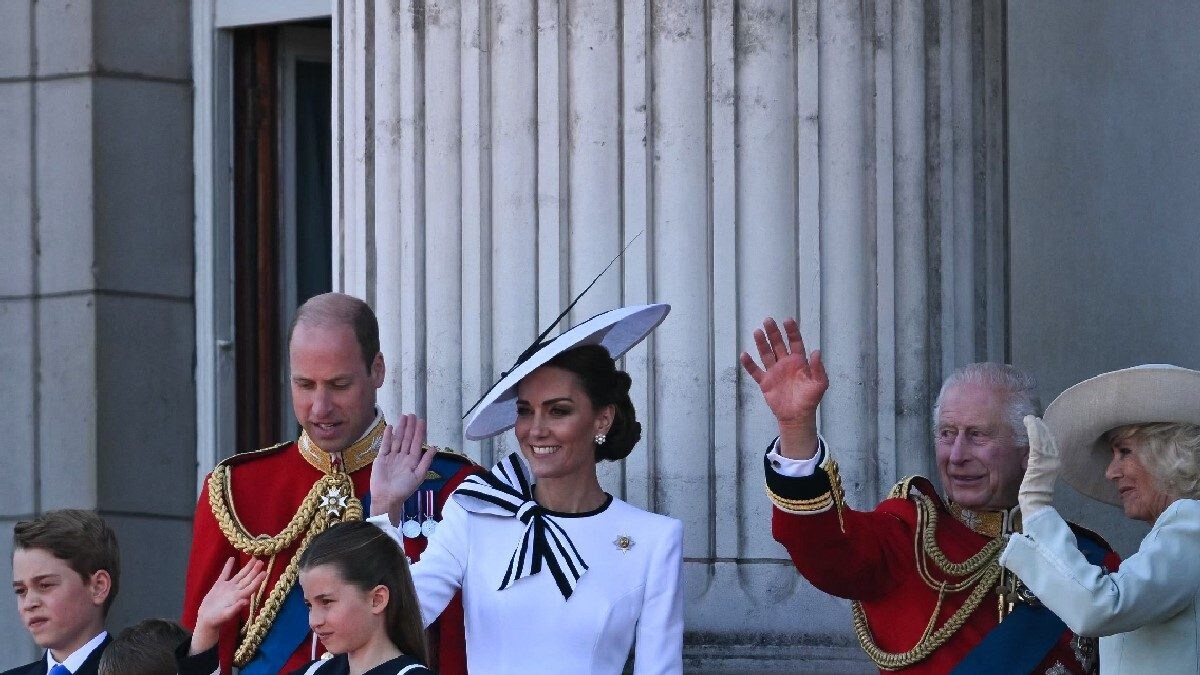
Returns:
(60,669)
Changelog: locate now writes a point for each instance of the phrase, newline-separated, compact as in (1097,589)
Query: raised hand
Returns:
(1037,487)
(400,467)
(229,595)
(792,384)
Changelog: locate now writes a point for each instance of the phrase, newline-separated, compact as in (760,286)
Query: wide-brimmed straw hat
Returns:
(1081,415)
(617,330)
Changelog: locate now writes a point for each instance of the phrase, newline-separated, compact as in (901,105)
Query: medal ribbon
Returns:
(506,491)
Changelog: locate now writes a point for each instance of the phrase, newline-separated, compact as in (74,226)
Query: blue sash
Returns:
(288,632)
(1026,636)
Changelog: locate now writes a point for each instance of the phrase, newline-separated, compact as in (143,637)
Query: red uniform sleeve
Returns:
(860,563)
(210,550)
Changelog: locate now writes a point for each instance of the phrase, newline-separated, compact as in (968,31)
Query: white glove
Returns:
(1037,489)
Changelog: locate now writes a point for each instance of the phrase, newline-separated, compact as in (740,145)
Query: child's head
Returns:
(66,568)
(147,648)
(356,583)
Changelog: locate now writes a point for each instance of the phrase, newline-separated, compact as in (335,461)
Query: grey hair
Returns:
(1170,451)
(1016,385)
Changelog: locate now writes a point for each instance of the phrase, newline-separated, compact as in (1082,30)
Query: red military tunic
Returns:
(266,490)
(892,561)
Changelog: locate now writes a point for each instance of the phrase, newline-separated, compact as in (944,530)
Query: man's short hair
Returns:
(338,309)
(80,538)
(147,648)
(1017,386)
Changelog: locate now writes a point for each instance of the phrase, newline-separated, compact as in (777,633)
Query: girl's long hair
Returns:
(367,557)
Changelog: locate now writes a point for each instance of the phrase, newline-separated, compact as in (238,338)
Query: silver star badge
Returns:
(334,502)
(624,543)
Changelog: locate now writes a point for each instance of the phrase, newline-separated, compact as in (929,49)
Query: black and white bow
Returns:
(507,491)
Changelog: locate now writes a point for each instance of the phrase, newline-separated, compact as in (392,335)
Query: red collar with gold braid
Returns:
(991,523)
(360,453)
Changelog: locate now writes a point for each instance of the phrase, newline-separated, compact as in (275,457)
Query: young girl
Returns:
(361,602)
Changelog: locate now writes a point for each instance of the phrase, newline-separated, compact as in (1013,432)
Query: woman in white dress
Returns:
(1130,437)
(557,575)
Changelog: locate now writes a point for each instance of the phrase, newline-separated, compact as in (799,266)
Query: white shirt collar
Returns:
(76,659)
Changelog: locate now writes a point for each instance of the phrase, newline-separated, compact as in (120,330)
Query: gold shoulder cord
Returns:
(980,573)
(330,500)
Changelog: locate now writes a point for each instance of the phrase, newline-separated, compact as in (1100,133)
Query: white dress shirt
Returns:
(77,657)
(795,468)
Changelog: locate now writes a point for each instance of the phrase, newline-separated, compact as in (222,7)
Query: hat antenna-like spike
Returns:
(538,342)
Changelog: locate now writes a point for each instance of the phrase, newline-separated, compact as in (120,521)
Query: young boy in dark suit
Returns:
(66,568)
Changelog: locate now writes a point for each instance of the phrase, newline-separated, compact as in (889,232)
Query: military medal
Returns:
(411,528)
(429,524)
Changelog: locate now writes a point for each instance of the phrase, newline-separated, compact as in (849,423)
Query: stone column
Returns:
(96,338)
(836,161)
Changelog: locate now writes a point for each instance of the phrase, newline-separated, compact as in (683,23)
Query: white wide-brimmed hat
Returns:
(1081,415)
(617,330)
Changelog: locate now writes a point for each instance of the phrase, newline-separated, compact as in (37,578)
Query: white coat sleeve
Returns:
(1151,586)
(438,575)
(658,646)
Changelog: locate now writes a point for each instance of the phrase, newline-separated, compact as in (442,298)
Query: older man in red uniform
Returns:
(268,504)
(928,595)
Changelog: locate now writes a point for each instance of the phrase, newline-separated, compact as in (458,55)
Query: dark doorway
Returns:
(282,211)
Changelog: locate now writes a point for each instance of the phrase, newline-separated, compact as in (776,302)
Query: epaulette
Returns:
(241,457)
(446,464)
(906,488)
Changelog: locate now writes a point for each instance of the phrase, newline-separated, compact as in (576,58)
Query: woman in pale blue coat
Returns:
(1131,437)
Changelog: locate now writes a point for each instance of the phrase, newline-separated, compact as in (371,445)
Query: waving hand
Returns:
(792,384)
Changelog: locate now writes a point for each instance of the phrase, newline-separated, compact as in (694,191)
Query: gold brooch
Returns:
(623,542)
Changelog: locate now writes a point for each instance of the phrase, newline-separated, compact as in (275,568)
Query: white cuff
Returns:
(795,468)
(384,522)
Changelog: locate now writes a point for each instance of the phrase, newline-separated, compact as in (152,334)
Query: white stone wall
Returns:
(842,161)
(1104,199)
(96,338)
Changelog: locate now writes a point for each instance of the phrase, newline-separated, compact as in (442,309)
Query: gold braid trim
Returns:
(836,491)
(980,571)
(801,506)
(836,497)
(360,453)
(330,500)
(903,488)
(929,641)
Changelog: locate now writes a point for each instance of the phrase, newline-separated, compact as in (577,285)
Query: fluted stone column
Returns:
(837,161)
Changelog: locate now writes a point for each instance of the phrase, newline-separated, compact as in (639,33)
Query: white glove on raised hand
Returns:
(1037,489)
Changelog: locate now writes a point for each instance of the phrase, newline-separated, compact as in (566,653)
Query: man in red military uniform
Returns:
(268,504)
(928,595)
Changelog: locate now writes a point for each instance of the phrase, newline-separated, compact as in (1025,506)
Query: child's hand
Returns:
(228,596)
